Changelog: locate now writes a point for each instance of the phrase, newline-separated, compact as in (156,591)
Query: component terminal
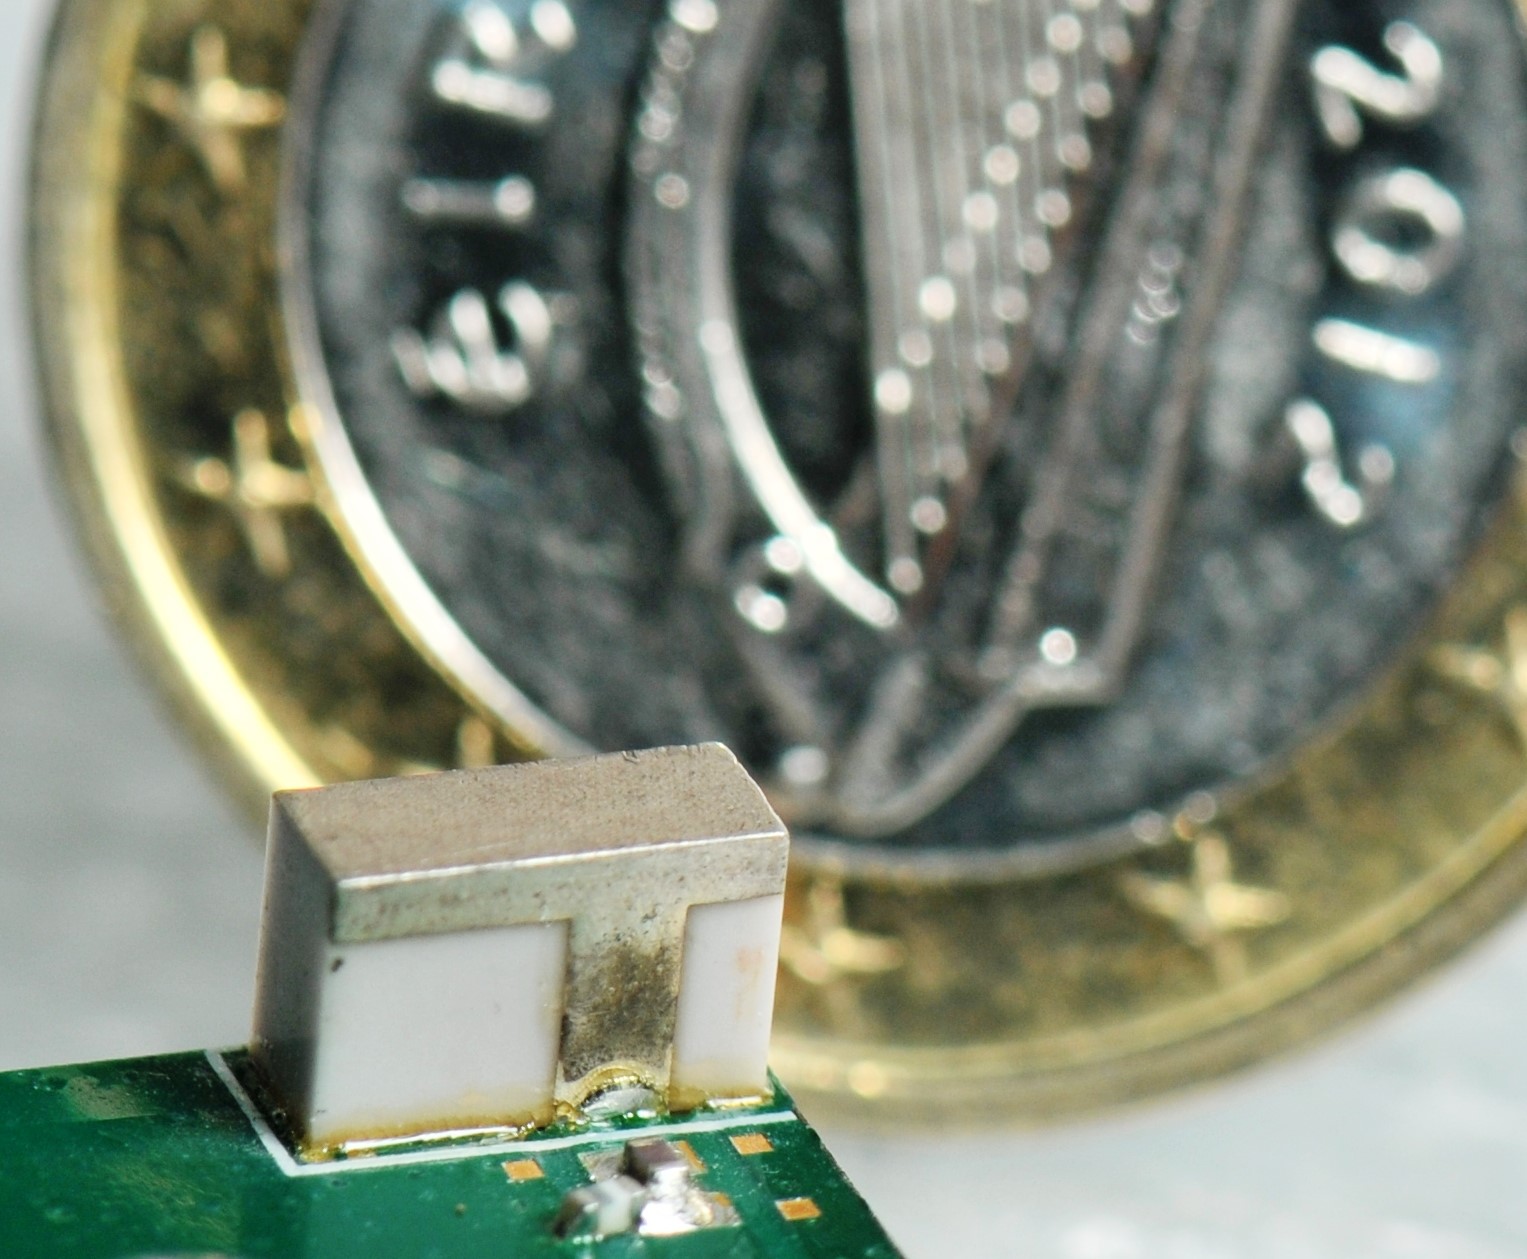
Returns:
(493,950)
(650,1190)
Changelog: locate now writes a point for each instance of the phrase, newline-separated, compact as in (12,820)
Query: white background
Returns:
(128,893)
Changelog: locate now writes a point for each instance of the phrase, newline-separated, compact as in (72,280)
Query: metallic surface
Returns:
(617,604)
(616,850)
(497,847)
(128,927)
(1223,927)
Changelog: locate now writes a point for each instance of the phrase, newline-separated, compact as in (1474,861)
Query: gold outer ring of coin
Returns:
(1385,846)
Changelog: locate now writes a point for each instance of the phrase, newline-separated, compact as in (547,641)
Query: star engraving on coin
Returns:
(832,958)
(1210,910)
(476,744)
(823,947)
(213,111)
(256,488)
(1498,673)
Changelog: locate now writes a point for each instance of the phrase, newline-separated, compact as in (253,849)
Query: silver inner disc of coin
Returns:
(999,422)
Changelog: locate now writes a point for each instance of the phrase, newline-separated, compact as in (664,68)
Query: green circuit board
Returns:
(168,1156)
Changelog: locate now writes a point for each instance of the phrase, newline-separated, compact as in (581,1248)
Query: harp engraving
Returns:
(1044,263)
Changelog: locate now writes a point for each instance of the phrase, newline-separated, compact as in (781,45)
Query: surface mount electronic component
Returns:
(486,948)
(502,1011)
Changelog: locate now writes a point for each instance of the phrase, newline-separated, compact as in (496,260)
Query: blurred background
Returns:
(128,907)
